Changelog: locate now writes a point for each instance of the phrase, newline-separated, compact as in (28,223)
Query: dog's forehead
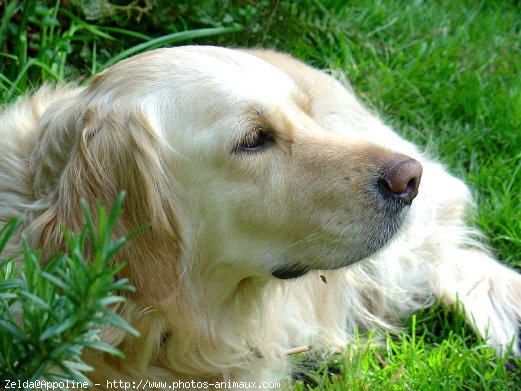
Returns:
(197,75)
(232,72)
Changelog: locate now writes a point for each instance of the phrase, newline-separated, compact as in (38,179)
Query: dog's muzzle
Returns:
(397,185)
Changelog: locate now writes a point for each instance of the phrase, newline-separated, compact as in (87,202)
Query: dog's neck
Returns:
(186,331)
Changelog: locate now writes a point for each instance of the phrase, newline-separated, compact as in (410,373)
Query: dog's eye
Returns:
(256,141)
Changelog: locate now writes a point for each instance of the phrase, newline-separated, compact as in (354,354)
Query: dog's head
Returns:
(219,150)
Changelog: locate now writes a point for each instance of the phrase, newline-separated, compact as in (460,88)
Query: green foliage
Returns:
(41,41)
(50,314)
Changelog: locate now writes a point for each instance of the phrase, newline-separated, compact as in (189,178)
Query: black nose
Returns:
(400,178)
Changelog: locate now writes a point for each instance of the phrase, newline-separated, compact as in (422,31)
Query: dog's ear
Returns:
(93,151)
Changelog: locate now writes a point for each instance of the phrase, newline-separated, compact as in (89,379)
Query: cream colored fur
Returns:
(165,126)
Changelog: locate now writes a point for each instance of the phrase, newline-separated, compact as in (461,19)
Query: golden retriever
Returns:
(264,181)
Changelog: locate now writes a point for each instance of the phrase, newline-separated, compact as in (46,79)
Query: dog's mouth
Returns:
(368,247)
(289,272)
(328,253)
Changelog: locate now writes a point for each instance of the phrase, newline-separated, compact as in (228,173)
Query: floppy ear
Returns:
(94,151)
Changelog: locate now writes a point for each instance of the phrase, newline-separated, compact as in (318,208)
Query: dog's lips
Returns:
(289,272)
(369,247)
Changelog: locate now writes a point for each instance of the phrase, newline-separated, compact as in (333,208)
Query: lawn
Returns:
(445,74)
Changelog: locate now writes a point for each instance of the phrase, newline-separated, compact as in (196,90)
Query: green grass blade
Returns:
(93,29)
(170,39)
(10,8)
(126,32)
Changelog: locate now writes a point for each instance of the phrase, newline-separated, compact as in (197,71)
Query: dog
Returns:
(283,213)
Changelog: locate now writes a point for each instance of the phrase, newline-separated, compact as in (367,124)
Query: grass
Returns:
(40,41)
(445,74)
(438,352)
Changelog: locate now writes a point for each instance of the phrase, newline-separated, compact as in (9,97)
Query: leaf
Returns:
(69,369)
(37,301)
(121,285)
(115,320)
(59,328)
(7,296)
(55,280)
(104,347)
(38,373)
(115,212)
(80,366)
(13,329)
(111,300)
(89,224)
(10,284)
(69,348)
(7,231)
(114,247)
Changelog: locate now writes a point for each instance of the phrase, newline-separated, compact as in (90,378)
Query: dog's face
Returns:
(251,182)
